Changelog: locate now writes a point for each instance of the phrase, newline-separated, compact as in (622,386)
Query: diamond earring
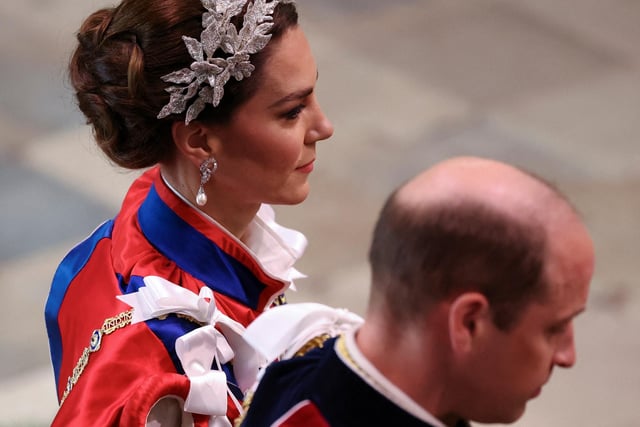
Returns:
(207,169)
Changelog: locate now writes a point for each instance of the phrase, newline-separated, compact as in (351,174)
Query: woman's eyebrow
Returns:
(293,96)
(300,94)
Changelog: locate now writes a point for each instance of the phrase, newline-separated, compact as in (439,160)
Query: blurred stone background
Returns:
(552,86)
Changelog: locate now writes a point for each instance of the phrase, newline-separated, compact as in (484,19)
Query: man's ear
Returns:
(196,141)
(468,316)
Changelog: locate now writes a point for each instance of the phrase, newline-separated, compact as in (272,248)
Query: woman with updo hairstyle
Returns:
(213,100)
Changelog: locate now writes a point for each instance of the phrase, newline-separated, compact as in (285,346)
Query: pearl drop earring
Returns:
(207,169)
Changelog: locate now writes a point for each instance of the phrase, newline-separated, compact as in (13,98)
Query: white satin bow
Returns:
(159,297)
(199,348)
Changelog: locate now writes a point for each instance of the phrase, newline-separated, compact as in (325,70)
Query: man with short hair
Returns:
(478,270)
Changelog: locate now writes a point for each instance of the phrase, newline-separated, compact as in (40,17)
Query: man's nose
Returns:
(565,355)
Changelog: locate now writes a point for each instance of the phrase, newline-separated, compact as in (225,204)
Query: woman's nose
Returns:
(322,127)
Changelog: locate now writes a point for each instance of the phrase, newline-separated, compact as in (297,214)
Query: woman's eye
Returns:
(294,113)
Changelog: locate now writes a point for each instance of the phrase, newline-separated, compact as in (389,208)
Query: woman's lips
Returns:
(306,168)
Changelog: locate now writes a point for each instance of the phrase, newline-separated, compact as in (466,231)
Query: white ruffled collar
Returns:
(274,247)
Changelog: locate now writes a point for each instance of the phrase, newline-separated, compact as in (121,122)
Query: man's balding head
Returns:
(466,224)
(496,185)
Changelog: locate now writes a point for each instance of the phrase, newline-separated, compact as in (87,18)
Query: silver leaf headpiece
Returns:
(207,75)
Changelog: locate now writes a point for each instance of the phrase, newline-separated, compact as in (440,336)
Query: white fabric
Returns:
(159,297)
(197,349)
(168,412)
(283,330)
(274,247)
(277,248)
(208,388)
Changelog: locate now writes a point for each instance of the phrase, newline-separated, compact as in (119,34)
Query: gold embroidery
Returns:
(189,318)
(110,325)
(246,402)
(281,300)
(316,342)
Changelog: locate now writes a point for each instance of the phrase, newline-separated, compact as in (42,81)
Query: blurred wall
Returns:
(551,86)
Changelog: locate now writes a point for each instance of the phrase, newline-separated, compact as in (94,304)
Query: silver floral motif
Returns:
(208,74)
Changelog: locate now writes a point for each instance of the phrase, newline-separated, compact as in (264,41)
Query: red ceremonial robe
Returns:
(156,233)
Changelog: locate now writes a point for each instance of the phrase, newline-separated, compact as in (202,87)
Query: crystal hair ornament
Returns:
(207,169)
(208,74)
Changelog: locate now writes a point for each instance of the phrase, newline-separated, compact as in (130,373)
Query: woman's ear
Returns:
(468,314)
(194,140)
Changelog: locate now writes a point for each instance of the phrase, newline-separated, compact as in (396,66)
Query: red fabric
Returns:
(222,239)
(305,414)
(151,390)
(113,376)
(132,369)
(148,261)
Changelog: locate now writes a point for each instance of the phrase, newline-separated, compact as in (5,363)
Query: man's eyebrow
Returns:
(574,314)
(293,96)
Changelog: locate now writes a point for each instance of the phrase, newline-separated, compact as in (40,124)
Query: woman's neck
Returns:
(233,215)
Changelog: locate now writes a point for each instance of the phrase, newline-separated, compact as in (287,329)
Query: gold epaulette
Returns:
(316,342)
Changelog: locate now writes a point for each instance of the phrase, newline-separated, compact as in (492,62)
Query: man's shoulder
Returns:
(297,373)
(285,390)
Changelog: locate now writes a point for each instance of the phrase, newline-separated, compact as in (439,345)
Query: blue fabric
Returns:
(169,329)
(195,253)
(343,398)
(70,266)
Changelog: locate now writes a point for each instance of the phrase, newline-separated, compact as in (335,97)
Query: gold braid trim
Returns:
(246,402)
(341,348)
(110,325)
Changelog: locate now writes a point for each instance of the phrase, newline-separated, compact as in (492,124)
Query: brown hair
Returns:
(426,255)
(116,71)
